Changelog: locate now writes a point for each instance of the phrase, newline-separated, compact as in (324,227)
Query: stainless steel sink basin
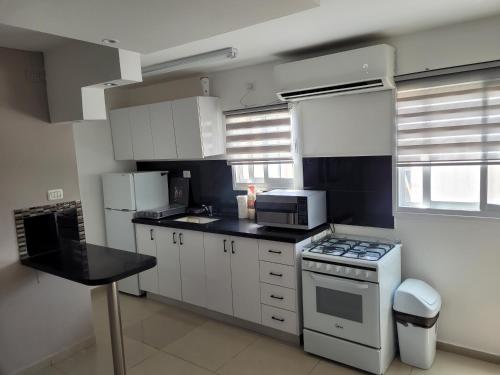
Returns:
(196,219)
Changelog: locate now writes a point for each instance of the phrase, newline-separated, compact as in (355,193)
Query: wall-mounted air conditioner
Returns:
(355,71)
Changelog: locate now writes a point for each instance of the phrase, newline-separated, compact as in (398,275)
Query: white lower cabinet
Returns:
(232,274)
(192,259)
(169,263)
(146,244)
(283,320)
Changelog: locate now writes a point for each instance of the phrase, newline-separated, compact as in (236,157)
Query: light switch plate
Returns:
(55,194)
(186,174)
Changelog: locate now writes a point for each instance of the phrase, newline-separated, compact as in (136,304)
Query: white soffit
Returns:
(148,25)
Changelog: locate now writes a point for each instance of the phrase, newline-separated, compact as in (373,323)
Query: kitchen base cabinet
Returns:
(232,272)
(192,259)
(218,273)
(169,263)
(146,244)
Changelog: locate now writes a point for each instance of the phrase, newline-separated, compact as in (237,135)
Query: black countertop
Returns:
(235,227)
(90,264)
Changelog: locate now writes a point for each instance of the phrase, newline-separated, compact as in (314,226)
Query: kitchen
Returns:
(435,248)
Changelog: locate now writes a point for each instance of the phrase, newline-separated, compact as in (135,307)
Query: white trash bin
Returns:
(416,310)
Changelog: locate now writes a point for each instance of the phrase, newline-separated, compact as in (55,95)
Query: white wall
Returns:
(40,314)
(94,156)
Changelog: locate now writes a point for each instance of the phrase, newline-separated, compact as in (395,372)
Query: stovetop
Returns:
(350,248)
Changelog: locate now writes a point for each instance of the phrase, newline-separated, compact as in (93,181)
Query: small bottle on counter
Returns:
(251,196)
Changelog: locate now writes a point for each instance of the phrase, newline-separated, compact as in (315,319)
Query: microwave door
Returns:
(277,213)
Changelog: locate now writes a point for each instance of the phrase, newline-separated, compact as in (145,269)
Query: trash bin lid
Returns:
(418,298)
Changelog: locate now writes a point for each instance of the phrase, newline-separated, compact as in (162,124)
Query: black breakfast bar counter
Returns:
(234,227)
(96,265)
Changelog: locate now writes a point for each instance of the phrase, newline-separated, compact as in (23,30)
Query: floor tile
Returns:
(164,327)
(212,344)
(270,357)
(454,364)
(98,359)
(398,368)
(134,309)
(166,364)
(47,370)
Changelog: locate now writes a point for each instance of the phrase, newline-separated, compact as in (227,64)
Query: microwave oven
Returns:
(296,209)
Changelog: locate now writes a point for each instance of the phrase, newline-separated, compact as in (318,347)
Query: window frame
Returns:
(485,209)
(265,183)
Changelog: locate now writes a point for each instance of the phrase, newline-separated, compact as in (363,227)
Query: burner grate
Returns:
(349,248)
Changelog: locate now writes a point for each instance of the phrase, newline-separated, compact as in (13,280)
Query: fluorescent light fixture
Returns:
(189,61)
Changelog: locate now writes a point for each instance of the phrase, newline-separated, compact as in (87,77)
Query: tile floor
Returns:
(161,339)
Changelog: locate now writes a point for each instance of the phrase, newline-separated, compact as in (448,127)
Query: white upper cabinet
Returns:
(162,129)
(189,128)
(121,131)
(142,140)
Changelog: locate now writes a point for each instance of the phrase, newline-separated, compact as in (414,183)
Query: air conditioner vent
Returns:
(331,90)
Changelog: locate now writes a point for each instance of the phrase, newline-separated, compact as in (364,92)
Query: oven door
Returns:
(340,307)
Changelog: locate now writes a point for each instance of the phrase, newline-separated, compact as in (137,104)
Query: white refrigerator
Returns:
(124,194)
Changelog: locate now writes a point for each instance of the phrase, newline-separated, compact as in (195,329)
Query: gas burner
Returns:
(350,248)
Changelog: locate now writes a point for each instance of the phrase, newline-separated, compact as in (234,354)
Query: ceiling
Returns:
(261,30)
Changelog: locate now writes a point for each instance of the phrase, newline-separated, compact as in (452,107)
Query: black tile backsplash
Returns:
(359,189)
(211,182)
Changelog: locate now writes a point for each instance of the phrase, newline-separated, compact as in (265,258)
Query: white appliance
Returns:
(124,194)
(355,71)
(348,286)
(416,309)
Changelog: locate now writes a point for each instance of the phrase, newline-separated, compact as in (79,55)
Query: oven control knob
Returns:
(328,267)
(338,269)
(310,264)
(357,272)
(347,270)
(368,274)
(318,266)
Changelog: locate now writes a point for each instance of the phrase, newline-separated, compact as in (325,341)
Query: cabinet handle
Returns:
(174,237)
(180,239)
(232,247)
(225,250)
(278,319)
(276,297)
(151,232)
(274,251)
(275,274)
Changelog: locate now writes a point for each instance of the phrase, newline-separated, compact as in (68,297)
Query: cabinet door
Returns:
(192,257)
(142,140)
(245,278)
(121,134)
(145,237)
(218,273)
(169,266)
(211,126)
(162,128)
(187,128)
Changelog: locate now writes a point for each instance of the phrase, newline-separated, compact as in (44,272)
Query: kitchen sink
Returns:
(196,219)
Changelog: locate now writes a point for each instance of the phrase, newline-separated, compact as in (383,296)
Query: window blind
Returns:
(259,135)
(453,119)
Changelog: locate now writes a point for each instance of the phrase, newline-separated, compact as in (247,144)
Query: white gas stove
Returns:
(348,285)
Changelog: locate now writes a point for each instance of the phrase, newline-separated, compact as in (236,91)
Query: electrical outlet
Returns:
(186,174)
(55,194)
(250,86)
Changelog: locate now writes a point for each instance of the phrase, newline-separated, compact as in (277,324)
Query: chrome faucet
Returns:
(207,209)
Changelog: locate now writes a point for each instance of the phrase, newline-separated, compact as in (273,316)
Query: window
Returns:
(259,147)
(448,144)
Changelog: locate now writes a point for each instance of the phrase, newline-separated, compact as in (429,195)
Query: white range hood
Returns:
(77,74)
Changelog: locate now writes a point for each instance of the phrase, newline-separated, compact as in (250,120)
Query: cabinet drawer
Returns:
(283,320)
(278,274)
(278,296)
(277,252)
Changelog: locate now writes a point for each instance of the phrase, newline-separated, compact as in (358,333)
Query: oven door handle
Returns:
(332,282)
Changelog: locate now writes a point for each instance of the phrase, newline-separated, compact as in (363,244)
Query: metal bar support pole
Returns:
(115,328)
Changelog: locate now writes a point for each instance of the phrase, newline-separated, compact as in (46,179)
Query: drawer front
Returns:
(283,320)
(277,252)
(278,274)
(278,296)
